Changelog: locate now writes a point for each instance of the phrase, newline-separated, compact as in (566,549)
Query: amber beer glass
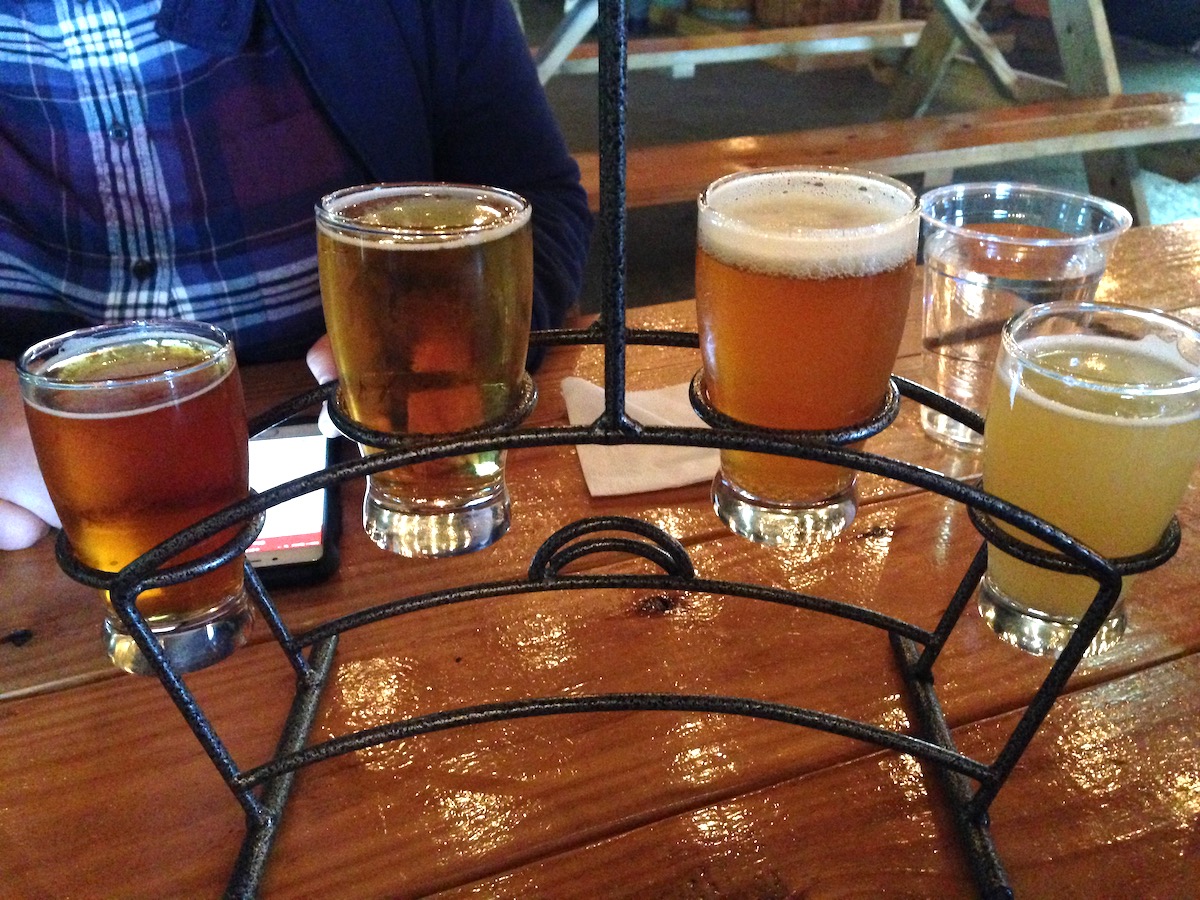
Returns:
(802,286)
(427,290)
(140,431)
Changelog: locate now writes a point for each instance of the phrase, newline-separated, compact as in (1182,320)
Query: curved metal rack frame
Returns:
(971,785)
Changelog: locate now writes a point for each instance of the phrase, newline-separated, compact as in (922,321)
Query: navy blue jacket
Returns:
(429,90)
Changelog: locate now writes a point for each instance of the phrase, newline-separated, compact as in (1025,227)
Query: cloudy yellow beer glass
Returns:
(427,291)
(1093,425)
(803,279)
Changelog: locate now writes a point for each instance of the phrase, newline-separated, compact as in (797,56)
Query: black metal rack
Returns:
(971,785)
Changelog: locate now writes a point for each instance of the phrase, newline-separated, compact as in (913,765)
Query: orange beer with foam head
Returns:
(803,278)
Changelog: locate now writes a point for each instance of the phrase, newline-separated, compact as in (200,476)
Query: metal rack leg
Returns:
(260,836)
(974,831)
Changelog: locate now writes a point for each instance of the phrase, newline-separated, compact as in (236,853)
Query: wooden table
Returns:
(104,792)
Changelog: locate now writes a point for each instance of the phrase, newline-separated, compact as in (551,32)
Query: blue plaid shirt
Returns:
(142,177)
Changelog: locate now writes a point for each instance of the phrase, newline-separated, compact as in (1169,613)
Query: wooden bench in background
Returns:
(682,53)
(932,147)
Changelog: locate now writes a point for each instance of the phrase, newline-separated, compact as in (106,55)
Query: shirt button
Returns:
(142,269)
(118,132)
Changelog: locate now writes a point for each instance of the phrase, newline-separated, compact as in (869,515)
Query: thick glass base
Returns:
(1038,633)
(186,649)
(950,432)
(435,531)
(781,525)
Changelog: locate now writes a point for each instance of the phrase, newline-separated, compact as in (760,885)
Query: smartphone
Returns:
(299,542)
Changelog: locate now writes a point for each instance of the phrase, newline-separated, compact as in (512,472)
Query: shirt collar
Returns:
(218,26)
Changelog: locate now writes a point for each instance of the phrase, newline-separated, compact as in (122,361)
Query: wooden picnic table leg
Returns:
(1090,68)
(930,60)
(573,28)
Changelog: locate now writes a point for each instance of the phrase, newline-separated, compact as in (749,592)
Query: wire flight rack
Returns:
(970,785)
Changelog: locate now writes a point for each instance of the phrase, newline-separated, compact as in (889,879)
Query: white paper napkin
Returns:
(637,468)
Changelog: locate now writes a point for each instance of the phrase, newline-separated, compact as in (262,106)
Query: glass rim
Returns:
(1120,216)
(56,347)
(704,203)
(1013,346)
(331,216)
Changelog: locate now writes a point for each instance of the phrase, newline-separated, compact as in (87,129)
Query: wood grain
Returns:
(457,806)
(1104,806)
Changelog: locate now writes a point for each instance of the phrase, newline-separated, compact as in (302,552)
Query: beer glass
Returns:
(803,278)
(1094,426)
(991,250)
(140,432)
(428,291)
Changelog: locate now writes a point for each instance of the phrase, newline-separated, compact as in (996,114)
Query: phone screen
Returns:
(296,531)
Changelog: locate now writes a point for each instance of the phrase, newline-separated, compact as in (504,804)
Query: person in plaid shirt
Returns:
(162,158)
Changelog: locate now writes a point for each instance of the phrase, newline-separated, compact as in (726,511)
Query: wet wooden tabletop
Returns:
(104,792)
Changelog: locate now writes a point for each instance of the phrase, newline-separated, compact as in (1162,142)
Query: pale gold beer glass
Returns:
(140,432)
(427,290)
(803,278)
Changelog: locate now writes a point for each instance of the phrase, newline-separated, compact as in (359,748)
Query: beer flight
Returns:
(803,280)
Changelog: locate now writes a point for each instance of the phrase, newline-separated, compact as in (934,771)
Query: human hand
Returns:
(320,363)
(26,512)
(320,360)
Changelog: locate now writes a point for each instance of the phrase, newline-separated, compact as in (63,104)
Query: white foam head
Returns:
(809,223)
(374,211)
(1172,382)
